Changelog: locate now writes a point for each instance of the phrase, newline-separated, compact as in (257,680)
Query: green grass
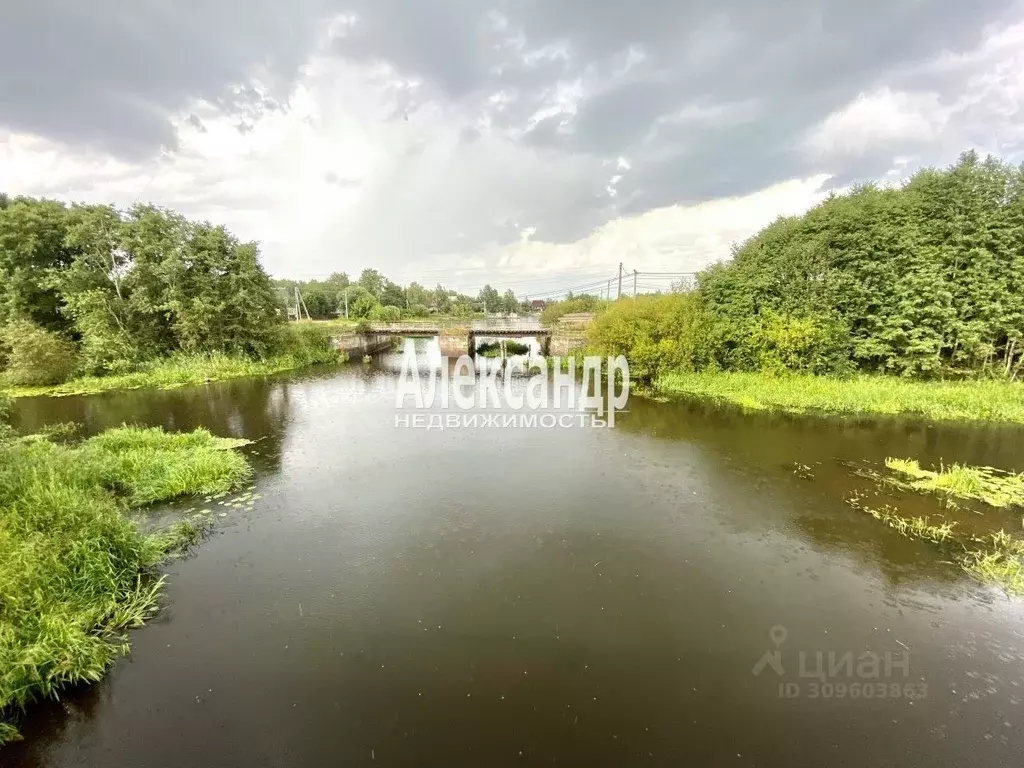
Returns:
(912,527)
(75,571)
(993,401)
(992,486)
(178,371)
(1000,562)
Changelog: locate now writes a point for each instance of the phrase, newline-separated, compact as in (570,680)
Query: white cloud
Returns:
(965,100)
(881,117)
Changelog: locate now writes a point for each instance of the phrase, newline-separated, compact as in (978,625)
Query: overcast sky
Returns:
(514,141)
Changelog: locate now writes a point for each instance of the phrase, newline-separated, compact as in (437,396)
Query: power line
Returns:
(574,289)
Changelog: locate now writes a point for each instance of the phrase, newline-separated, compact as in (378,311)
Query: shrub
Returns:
(656,334)
(552,313)
(5,430)
(37,357)
(105,348)
(385,313)
(306,342)
(416,310)
(810,343)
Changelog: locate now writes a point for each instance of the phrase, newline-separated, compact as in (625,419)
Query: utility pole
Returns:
(346,302)
(619,295)
(634,283)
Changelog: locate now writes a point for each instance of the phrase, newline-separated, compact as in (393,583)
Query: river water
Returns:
(587,597)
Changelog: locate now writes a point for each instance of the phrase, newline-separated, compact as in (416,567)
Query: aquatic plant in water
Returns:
(996,559)
(992,486)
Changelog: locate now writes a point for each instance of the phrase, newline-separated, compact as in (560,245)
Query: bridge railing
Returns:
(417,325)
(478,327)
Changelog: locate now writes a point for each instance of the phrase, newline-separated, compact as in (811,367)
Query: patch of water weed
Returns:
(995,487)
(995,560)
(75,572)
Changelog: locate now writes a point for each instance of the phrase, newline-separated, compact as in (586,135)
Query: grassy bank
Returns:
(303,344)
(75,571)
(980,400)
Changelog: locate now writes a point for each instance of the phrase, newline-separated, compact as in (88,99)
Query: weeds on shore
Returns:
(975,400)
(75,571)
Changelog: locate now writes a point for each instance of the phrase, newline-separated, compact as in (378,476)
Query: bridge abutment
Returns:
(454,342)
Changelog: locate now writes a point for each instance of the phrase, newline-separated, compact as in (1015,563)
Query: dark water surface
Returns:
(585,597)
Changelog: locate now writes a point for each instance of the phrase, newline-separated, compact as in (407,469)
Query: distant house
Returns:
(538,304)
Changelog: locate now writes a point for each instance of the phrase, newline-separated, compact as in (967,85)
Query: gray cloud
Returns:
(703,100)
(108,75)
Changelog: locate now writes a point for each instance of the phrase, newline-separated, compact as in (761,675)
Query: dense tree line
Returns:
(124,286)
(923,280)
(374,297)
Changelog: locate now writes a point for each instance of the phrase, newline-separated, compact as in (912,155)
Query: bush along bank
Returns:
(76,573)
(877,301)
(298,345)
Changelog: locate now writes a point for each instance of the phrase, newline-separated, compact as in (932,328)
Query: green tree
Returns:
(372,281)
(509,302)
(32,247)
(360,302)
(491,299)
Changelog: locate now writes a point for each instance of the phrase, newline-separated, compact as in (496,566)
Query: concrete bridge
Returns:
(458,337)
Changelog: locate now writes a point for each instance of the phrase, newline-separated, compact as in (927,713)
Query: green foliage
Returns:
(325,299)
(656,333)
(372,282)
(461,308)
(36,356)
(927,279)
(555,311)
(306,343)
(385,313)
(32,246)
(490,299)
(128,286)
(995,487)
(75,572)
(360,302)
(6,433)
(298,345)
(812,344)
(995,559)
(987,400)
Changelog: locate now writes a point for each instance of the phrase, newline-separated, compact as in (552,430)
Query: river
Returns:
(590,597)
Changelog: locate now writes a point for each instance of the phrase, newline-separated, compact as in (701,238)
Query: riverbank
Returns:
(75,571)
(978,400)
(305,344)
